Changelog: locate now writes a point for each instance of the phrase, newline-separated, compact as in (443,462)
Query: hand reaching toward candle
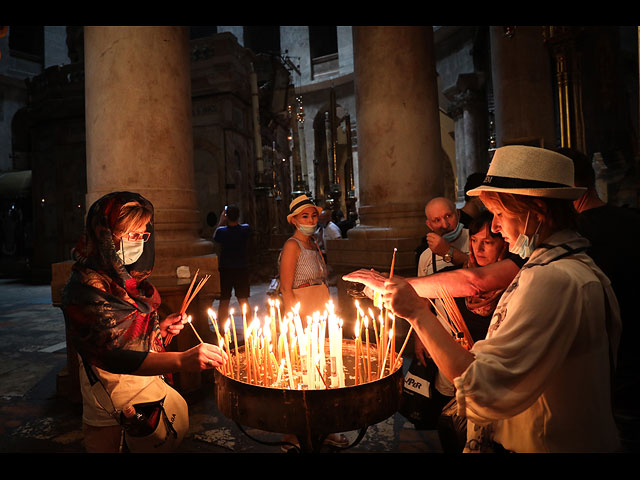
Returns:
(203,356)
(172,324)
(369,278)
(402,299)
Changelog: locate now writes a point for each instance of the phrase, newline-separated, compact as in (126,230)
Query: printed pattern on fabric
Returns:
(310,268)
(111,310)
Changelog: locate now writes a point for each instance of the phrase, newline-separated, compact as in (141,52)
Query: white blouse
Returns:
(540,381)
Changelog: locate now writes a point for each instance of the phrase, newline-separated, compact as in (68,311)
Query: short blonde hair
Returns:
(133,216)
(556,213)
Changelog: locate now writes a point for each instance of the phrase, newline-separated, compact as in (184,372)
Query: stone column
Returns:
(139,138)
(522,86)
(468,107)
(399,150)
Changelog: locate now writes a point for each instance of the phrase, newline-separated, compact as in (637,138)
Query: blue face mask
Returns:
(524,246)
(452,235)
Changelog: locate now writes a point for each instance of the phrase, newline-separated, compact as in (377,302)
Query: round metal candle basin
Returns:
(310,414)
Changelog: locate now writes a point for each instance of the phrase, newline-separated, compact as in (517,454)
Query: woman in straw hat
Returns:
(540,380)
(302,269)
(303,276)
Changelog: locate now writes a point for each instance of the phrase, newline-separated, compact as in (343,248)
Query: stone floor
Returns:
(34,418)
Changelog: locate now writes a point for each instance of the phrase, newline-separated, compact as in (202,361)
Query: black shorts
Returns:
(236,279)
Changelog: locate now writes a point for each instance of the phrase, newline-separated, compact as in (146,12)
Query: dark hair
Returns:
(485,217)
(233,212)
(583,173)
(474,180)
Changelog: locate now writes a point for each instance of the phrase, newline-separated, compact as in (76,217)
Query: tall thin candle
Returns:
(366,329)
(384,362)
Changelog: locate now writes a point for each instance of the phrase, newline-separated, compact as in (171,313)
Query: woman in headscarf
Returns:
(541,379)
(112,320)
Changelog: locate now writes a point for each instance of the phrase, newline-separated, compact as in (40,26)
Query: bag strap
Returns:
(98,390)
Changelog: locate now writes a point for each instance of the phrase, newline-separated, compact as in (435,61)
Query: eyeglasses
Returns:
(136,237)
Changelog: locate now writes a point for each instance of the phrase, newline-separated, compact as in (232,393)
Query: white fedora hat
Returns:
(533,171)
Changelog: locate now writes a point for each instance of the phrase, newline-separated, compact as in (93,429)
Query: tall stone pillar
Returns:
(139,138)
(468,107)
(399,150)
(522,86)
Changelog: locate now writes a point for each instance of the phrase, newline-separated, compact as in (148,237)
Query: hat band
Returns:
(304,202)
(510,182)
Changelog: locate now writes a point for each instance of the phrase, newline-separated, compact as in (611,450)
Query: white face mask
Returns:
(130,251)
(307,230)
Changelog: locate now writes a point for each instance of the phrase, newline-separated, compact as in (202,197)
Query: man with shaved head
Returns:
(448,240)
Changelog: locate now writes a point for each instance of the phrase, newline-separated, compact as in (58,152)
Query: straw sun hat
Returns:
(532,171)
(298,204)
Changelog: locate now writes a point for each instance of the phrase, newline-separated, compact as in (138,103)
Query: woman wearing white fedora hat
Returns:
(540,380)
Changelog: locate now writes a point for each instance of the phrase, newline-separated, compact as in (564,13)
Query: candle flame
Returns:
(189,319)
(211,313)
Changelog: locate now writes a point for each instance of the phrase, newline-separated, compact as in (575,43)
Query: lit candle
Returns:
(246,343)
(382,341)
(227,336)
(288,357)
(393,341)
(279,312)
(235,343)
(366,329)
(212,320)
(193,328)
(280,370)
(399,357)
(357,357)
(264,360)
(385,356)
(224,365)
